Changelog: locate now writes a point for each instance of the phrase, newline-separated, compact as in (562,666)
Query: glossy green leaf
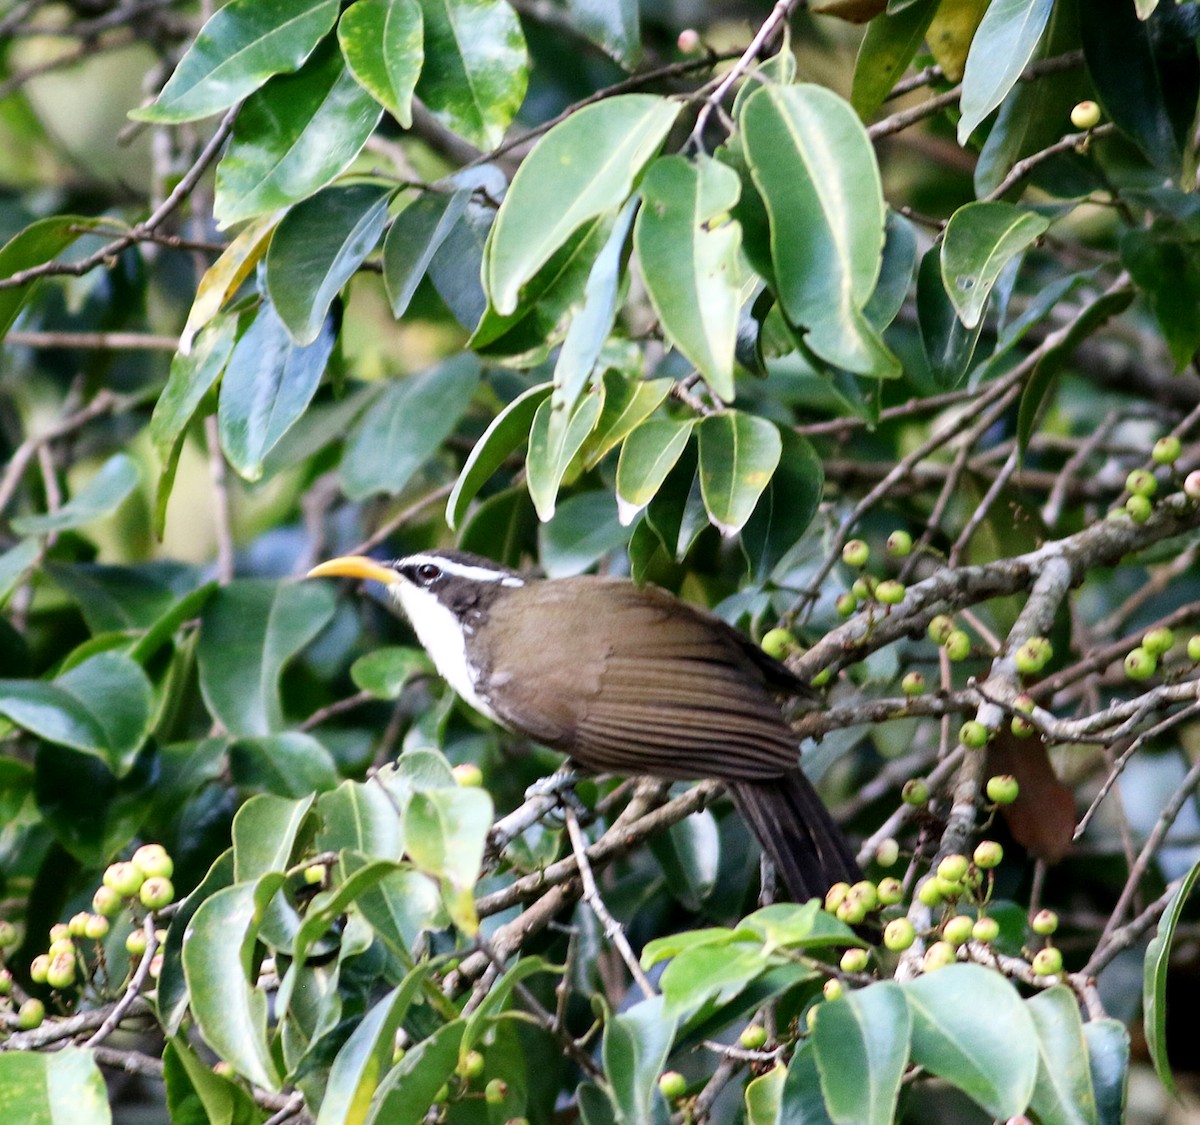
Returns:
(405,427)
(238,49)
(689,853)
(711,974)
(190,1079)
(53,1088)
(269,382)
(382,42)
(1063,1093)
(1164,262)
(798,926)
(802,1103)
(456,267)
(400,908)
(738,455)
(317,248)
(14,563)
(971,1028)
(787,506)
(815,169)
(688,251)
(764,1097)
(548,459)
(647,456)
(249,631)
(100,707)
(584,529)
(98,499)
(861,1043)
(507,432)
(290,764)
(1108,1060)
(405,1095)
(627,404)
(1003,44)
(415,236)
(218,964)
(613,26)
(445,832)
(896,273)
(635,1047)
(502,527)
(474,76)
(981,239)
(173,617)
(366,1056)
(193,375)
(1154,980)
(581,168)
(264,834)
(361,816)
(891,41)
(385,671)
(949,347)
(40,242)
(292,137)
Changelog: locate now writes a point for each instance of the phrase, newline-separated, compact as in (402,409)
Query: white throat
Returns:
(444,638)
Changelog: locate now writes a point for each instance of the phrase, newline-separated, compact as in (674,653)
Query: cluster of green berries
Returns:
(852,903)
(1142,662)
(468,1070)
(146,877)
(944,633)
(32,1011)
(865,588)
(1048,960)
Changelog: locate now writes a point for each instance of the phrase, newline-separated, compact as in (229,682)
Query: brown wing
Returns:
(649,685)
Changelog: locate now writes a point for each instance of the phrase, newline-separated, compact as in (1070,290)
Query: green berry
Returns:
(1191,485)
(957,930)
(856,553)
(855,961)
(672,1084)
(846,604)
(1028,660)
(495,1091)
(891,891)
(152,859)
(973,734)
(76,924)
(30,1014)
(778,643)
(6,982)
(833,989)
(985,929)
(949,889)
(443,1094)
(315,873)
(1141,482)
(899,544)
(39,967)
(1024,704)
(1044,923)
(958,645)
(929,893)
(470,1065)
(135,942)
(940,629)
(156,893)
(822,677)
(468,775)
(1193,648)
(106,901)
(1158,641)
(61,971)
(124,878)
(1140,664)
(953,868)
(753,1038)
(1166,450)
(836,895)
(863,588)
(1002,789)
(61,946)
(1139,508)
(60,931)
(887,853)
(852,912)
(898,935)
(865,892)
(988,854)
(938,956)
(1047,962)
(1085,115)
(1021,728)
(913,684)
(915,791)
(97,927)
(890,592)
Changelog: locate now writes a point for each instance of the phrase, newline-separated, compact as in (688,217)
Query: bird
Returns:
(625,679)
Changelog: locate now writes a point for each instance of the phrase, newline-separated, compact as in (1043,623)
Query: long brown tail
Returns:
(795,829)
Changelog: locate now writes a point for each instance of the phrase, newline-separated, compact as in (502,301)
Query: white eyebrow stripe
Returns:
(465,570)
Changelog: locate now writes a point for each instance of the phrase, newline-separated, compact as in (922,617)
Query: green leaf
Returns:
(612,26)
(445,832)
(218,964)
(53,1088)
(635,1047)
(292,137)
(264,835)
(547,459)
(764,1097)
(385,671)
(1108,1060)
(802,1103)
(250,630)
(317,248)
(193,374)
(689,853)
(1154,980)
(971,1028)
(400,908)
(648,455)
(798,926)
(861,1043)
(1164,262)
(405,1095)
(891,41)
(98,499)
(1063,1093)
(738,455)
(949,347)
(101,707)
(415,236)
(456,268)
(474,76)
(506,432)
(584,529)
(269,382)
(627,404)
(896,272)
(689,255)
(290,764)
(1003,44)
(405,427)
(361,816)
(581,168)
(786,508)
(189,1079)
(815,168)
(981,239)
(40,242)
(237,50)
(711,973)
(367,1055)
(14,563)
(487,1014)
(382,41)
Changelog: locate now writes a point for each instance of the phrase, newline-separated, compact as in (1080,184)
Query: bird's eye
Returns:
(427,572)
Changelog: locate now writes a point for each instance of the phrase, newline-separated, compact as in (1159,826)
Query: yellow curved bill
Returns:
(354,566)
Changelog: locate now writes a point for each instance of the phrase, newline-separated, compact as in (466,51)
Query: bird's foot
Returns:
(561,786)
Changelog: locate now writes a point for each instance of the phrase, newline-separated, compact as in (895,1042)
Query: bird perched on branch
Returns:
(626,679)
